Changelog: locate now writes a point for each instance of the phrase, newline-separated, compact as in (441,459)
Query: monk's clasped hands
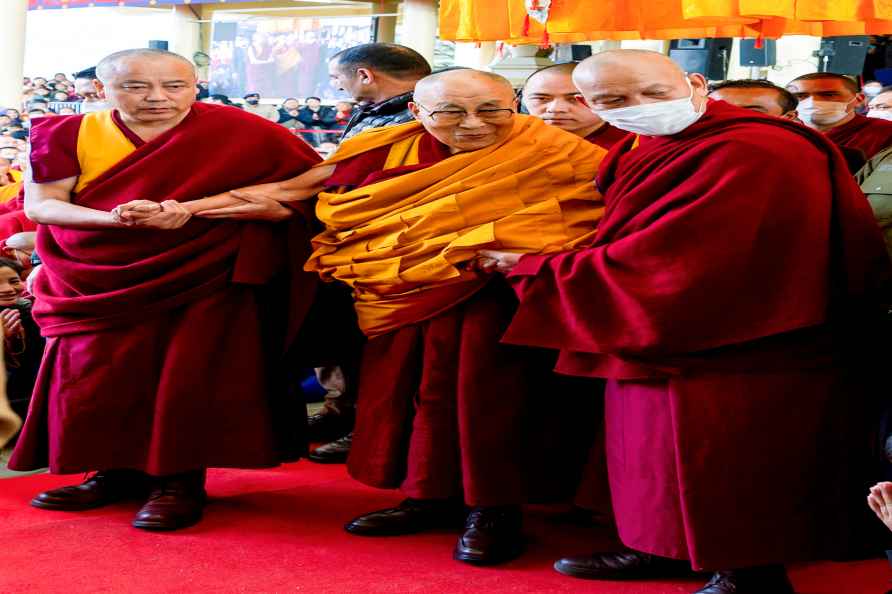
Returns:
(168,214)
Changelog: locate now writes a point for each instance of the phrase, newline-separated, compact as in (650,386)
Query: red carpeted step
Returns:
(280,531)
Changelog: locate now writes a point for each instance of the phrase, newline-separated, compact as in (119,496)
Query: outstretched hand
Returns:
(490,261)
(254,205)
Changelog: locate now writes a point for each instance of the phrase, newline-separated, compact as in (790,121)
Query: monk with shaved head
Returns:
(727,300)
(444,411)
(551,95)
(161,325)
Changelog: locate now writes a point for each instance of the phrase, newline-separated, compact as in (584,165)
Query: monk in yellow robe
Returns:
(444,409)
(10,181)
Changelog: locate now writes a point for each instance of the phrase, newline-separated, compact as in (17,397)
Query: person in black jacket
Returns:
(315,116)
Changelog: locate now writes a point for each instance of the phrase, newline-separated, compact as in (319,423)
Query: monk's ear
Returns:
(100,88)
(791,115)
(416,113)
(701,87)
(365,76)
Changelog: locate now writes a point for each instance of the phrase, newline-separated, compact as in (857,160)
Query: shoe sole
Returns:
(70,508)
(488,561)
(321,460)
(154,527)
(622,576)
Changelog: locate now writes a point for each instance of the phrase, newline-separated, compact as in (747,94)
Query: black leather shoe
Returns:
(409,517)
(492,535)
(327,427)
(335,452)
(626,565)
(176,502)
(770,579)
(103,488)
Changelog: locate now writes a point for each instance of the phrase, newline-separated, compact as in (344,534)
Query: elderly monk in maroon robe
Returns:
(725,301)
(827,103)
(444,411)
(550,95)
(163,330)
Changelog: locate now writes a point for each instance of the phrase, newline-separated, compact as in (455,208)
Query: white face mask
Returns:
(822,113)
(880,114)
(872,91)
(661,118)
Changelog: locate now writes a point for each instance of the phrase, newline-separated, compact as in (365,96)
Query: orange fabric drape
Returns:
(572,20)
(400,243)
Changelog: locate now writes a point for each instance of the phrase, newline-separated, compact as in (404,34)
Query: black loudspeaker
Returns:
(580,52)
(158,44)
(709,57)
(750,55)
(843,55)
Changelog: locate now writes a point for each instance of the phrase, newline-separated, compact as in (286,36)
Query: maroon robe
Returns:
(445,410)
(868,135)
(163,345)
(734,414)
(606,136)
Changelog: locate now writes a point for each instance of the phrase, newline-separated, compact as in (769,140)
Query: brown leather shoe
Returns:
(335,452)
(492,535)
(625,565)
(103,488)
(769,579)
(409,517)
(175,502)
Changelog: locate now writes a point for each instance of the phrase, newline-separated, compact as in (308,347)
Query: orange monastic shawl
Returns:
(401,243)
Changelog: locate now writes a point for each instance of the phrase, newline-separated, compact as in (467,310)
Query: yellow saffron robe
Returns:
(402,243)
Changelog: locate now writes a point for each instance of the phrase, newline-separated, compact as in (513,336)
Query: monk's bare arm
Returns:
(50,204)
(289,192)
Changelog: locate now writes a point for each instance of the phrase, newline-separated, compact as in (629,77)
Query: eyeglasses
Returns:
(454,116)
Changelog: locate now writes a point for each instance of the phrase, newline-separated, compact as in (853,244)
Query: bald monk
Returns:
(727,313)
(549,94)
(827,103)
(162,330)
(443,409)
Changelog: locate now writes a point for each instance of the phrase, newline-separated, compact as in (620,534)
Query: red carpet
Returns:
(280,531)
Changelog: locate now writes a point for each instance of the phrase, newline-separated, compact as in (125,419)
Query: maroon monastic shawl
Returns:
(868,135)
(739,228)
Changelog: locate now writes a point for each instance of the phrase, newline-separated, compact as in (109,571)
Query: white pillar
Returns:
(419,30)
(13,14)
(470,56)
(520,64)
(186,33)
